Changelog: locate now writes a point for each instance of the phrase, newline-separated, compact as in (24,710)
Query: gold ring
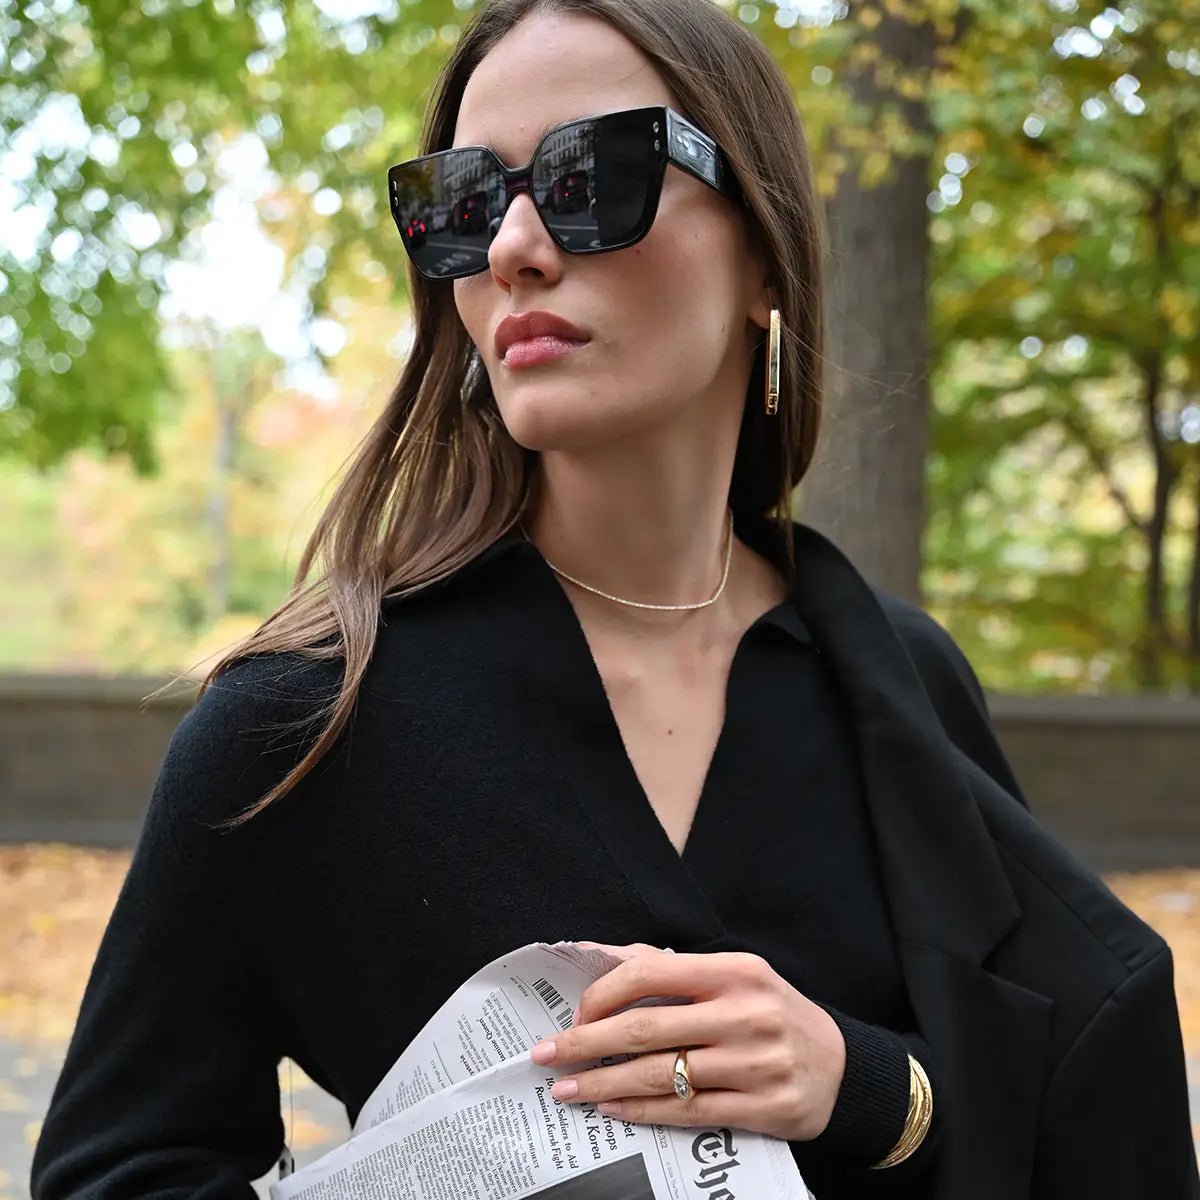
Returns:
(682,1081)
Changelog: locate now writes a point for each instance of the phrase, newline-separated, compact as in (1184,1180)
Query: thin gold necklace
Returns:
(587,587)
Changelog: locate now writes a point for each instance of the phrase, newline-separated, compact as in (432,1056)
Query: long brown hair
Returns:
(438,478)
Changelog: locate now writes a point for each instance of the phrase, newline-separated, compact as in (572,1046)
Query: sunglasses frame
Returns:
(684,145)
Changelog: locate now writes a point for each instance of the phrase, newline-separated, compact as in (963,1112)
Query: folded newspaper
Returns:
(466,1114)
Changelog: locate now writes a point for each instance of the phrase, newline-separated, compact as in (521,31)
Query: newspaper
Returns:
(464,1113)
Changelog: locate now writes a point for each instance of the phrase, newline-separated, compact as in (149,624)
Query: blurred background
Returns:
(203,305)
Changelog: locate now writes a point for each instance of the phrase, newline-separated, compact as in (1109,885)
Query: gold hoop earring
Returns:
(772,404)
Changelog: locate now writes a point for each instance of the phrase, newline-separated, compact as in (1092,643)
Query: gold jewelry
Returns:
(587,587)
(772,371)
(920,1114)
(683,1081)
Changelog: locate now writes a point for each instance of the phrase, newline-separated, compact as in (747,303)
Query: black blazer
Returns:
(1049,1005)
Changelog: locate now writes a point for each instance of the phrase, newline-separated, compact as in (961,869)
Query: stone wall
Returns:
(1118,778)
(78,755)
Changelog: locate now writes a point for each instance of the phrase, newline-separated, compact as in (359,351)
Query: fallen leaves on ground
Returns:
(1170,902)
(54,904)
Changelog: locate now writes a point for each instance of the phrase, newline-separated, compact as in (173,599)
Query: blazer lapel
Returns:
(991,1040)
(950,899)
(941,870)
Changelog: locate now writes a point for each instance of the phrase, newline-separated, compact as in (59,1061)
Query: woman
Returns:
(561,673)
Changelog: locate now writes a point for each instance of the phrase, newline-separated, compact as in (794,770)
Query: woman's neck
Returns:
(637,539)
(646,533)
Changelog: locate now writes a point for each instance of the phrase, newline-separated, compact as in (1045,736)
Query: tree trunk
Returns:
(218,509)
(1193,600)
(867,484)
(1157,635)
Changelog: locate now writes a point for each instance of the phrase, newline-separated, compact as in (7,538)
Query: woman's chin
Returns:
(562,422)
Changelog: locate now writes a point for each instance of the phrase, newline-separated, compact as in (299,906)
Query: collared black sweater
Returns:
(481,799)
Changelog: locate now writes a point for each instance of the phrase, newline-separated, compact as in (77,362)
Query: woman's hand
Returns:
(760,1055)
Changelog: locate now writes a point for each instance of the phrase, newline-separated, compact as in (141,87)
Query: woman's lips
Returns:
(531,351)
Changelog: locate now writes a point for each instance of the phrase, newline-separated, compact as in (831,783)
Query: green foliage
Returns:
(1065,307)
(113,115)
(84,117)
(109,571)
(1063,540)
(29,550)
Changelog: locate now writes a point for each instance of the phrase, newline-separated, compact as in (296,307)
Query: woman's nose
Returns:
(520,242)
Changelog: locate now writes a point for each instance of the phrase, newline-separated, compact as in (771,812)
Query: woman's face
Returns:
(671,322)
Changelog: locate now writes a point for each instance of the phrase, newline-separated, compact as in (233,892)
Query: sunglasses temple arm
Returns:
(697,154)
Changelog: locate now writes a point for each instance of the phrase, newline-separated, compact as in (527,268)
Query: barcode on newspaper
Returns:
(554,1001)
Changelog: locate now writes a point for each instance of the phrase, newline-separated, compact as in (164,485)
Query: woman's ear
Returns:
(757,275)
(761,305)
(761,299)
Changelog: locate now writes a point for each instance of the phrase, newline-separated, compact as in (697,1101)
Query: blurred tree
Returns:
(1061,215)
(139,578)
(1065,529)
(113,117)
(1074,121)
(866,488)
(240,373)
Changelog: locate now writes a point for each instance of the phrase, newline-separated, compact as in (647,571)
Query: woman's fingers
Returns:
(639,1031)
(709,1067)
(649,1075)
(698,976)
(735,1110)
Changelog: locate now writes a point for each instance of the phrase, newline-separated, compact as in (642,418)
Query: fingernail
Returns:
(543,1053)
(565,1089)
(610,1108)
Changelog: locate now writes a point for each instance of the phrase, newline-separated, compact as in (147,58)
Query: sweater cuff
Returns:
(872,1104)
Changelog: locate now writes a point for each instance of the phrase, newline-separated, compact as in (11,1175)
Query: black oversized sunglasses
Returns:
(595,182)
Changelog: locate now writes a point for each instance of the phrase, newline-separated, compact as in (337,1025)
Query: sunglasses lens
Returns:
(595,184)
(445,206)
(595,181)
